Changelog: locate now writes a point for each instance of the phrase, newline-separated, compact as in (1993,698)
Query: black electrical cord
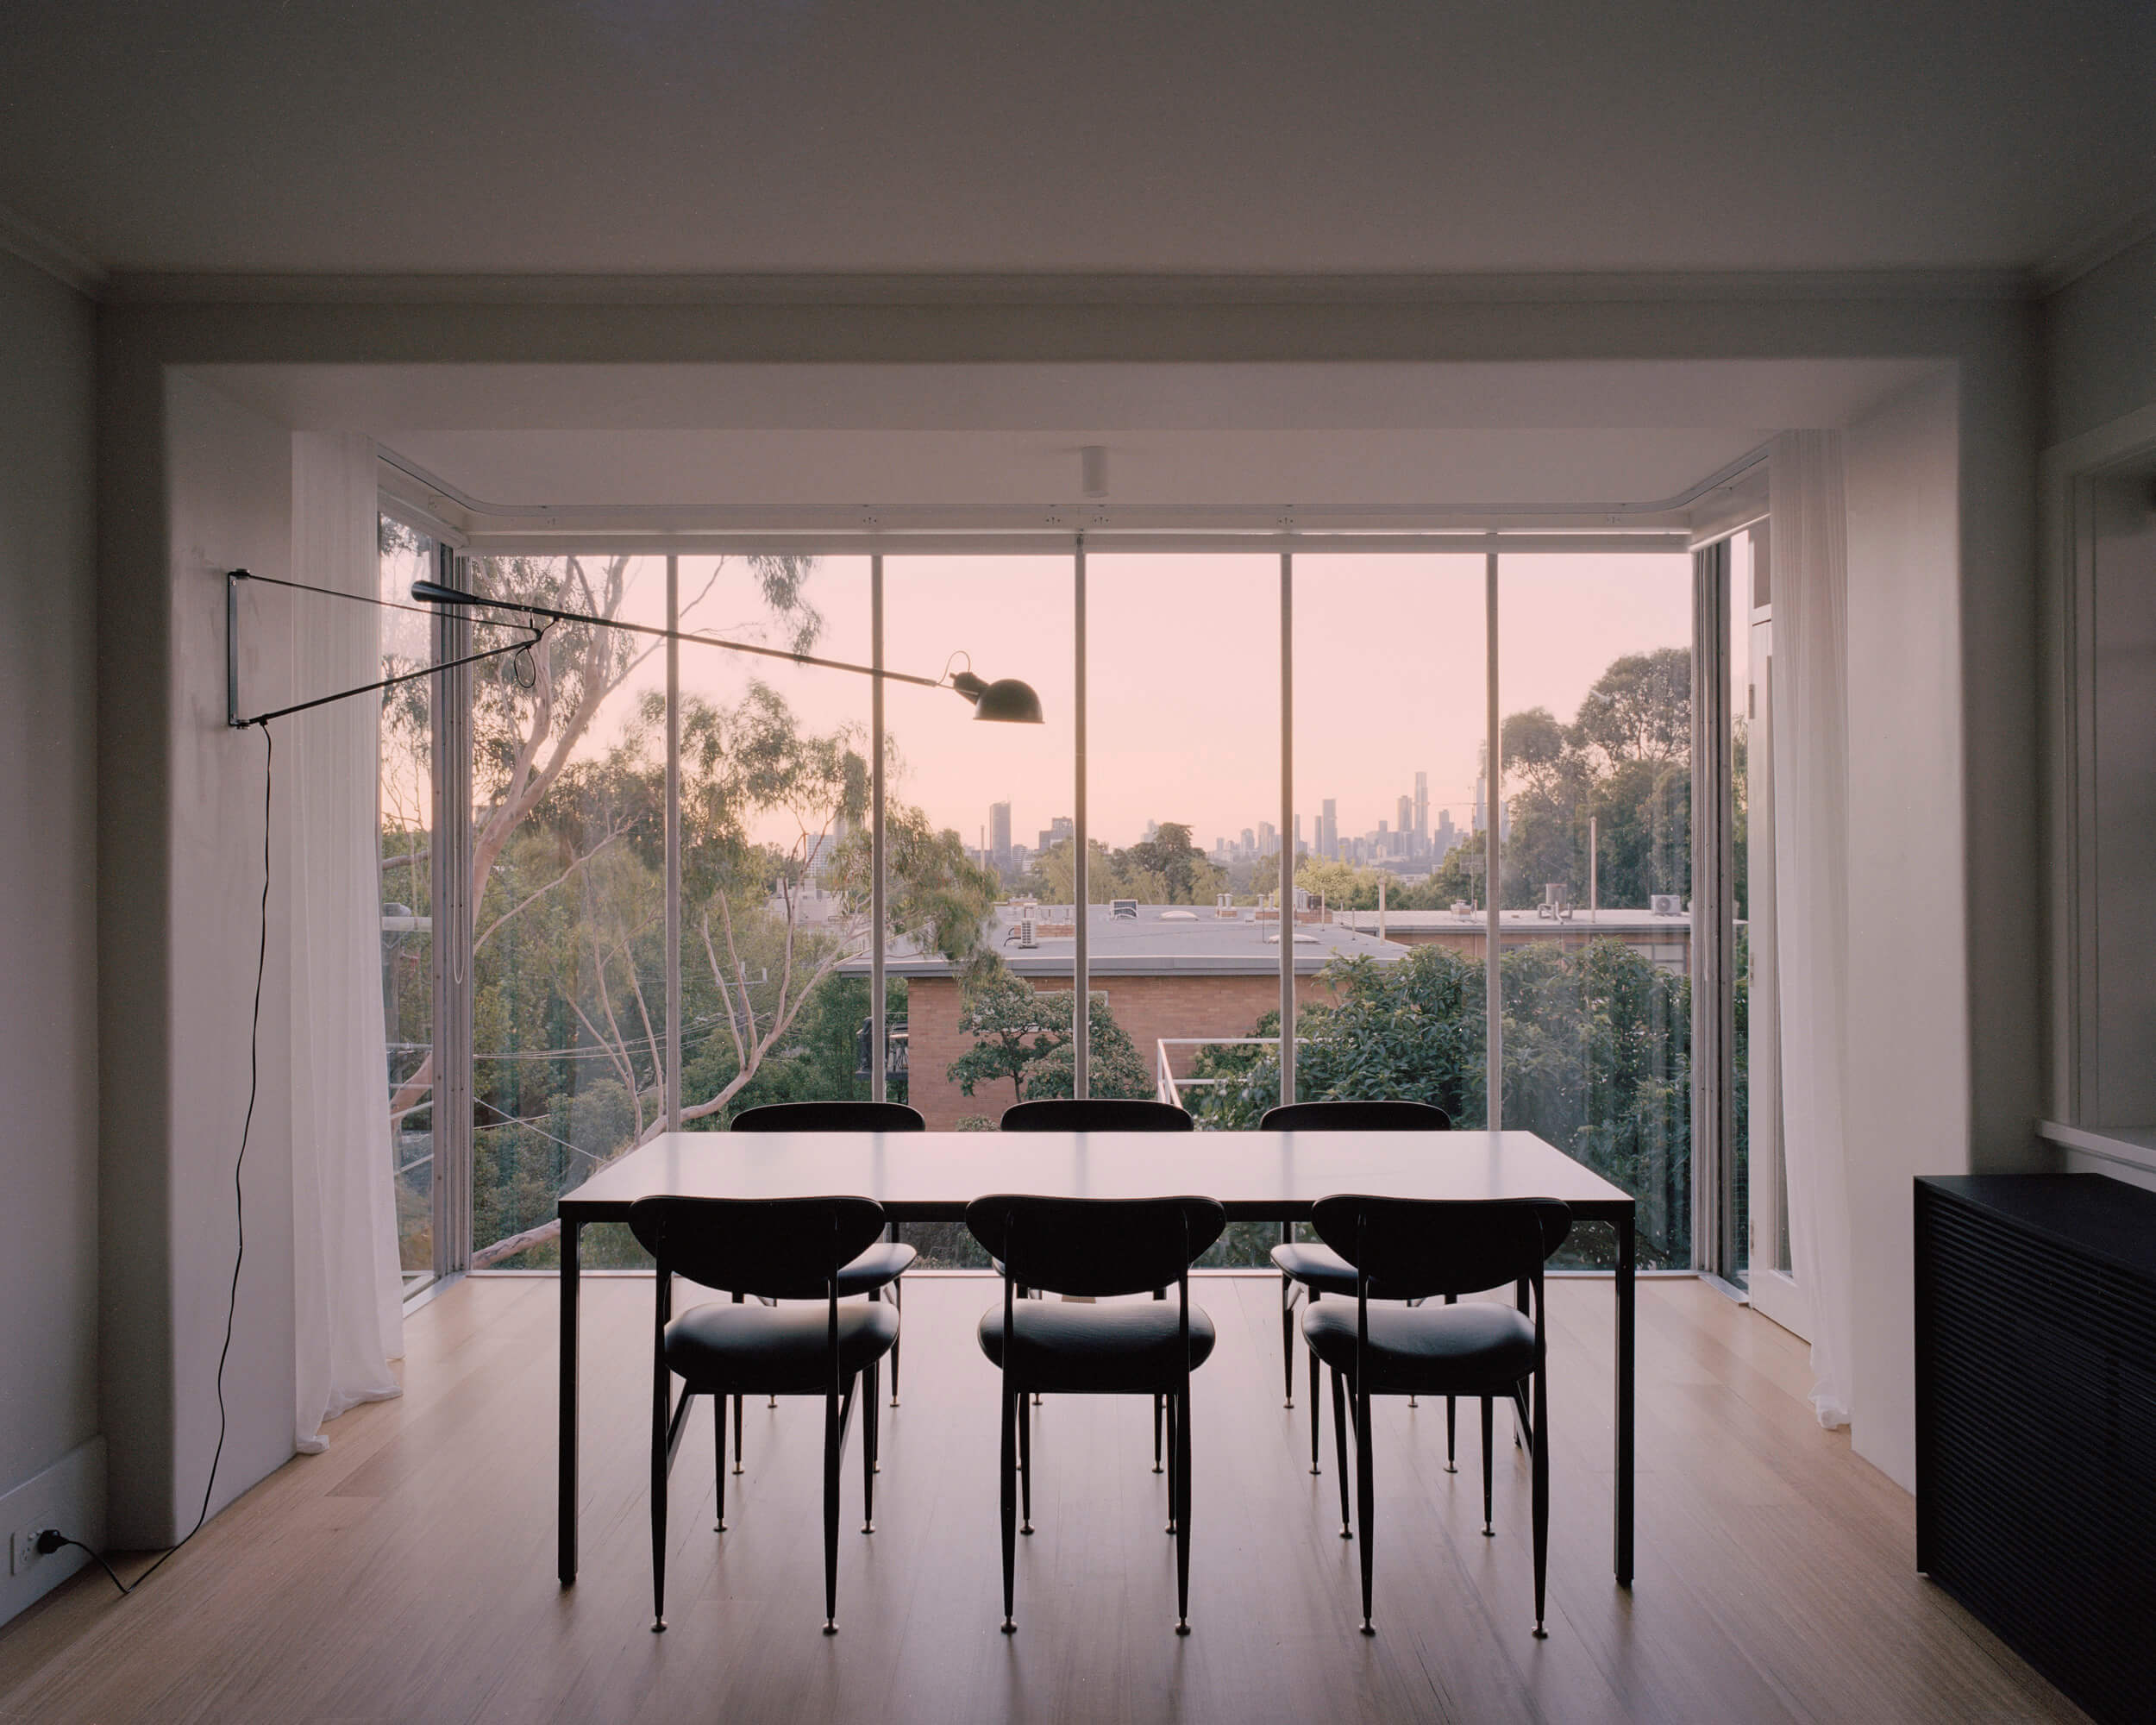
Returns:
(51,1540)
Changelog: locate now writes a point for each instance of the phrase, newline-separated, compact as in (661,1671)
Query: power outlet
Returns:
(23,1550)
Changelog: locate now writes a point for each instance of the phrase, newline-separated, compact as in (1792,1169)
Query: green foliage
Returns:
(1114,1065)
(1597,1061)
(1023,1035)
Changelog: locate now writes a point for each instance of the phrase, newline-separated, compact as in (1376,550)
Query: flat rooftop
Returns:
(1159,940)
(1606,920)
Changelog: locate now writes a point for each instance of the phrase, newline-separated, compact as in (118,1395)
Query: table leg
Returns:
(565,1507)
(1626,1337)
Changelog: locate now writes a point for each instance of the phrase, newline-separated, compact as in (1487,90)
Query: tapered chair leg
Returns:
(1452,1436)
(719,1433)
(1541,1467)
(1288,1338)
(1339,1447)
(1175,1465)
(1157,1425)
(1365,1501)
(1025,1469)
(659,1422)
(1490,1531)
(775,1402)
(834,1445)
(1315,1402)
(1009,1470)
(870,1466)
(898,1341)
(1182,1513)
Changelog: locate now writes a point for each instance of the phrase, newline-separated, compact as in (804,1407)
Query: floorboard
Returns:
(406,1573)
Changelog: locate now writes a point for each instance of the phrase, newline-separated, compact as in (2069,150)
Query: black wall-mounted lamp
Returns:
(1007,701)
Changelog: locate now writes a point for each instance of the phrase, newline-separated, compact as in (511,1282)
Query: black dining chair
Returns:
(1415,1248)
(883,1263)
(1096,1115)
(1101,1113)
(1312,1268)
(1095,1248)
(777,1248)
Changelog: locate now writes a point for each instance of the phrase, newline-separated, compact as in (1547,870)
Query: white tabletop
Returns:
(1255,1175)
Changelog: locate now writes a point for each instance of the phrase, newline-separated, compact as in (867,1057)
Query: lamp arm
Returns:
(435,593)
(239,721)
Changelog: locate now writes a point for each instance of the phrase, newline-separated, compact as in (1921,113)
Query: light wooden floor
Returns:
(407,1573)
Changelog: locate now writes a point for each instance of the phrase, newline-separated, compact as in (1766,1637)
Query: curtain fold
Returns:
(1809,542)
(347,1286)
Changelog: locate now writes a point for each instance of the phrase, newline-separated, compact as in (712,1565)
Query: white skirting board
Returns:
(70,1496)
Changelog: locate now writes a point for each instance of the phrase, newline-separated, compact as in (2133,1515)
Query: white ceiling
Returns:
(1427,439)
(670,135)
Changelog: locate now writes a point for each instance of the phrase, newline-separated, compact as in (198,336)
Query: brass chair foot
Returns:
(831,1626)
(1027,1528)
(1367,1629)
(1010,1627)
(1182,1625)
(658,1626)
(868,1527)
(1541,1635)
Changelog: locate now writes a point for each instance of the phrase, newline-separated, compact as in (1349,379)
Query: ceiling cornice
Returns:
(53,255)
(1669,286)
(2065,264)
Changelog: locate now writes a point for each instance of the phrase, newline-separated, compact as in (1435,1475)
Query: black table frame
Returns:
(1619,1210)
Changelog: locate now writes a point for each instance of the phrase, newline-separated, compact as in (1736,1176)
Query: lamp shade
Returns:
(1007,701)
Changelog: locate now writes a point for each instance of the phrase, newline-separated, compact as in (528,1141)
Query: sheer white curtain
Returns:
(1809,540)
(348,1323)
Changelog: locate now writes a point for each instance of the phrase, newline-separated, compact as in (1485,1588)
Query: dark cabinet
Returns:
(2036,1421)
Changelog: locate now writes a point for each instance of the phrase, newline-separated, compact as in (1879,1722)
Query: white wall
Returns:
(194,485)
(1943,853)
(230,506)
(48,1028)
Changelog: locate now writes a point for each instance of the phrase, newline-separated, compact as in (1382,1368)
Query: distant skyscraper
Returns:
(1059,829)
(1268,839)
(1329,829)
(1422,812)
(1000,831)
(1405,812)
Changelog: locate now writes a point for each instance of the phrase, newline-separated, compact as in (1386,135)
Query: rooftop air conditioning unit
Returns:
(1667,903)
(1028,932)
(1126,908)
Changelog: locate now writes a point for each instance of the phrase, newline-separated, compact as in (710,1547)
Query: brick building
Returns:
(1167,971)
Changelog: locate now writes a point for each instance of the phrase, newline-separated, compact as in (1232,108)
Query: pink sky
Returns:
(1184,715)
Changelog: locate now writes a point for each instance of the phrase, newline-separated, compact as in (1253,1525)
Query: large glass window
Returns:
(774,835)
(404,818)
(1594,812)
(1391,713)
(1394,798)
(568,988)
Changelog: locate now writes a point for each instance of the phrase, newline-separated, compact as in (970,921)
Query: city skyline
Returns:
(1184,657)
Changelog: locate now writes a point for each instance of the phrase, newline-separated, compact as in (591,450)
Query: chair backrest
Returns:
(1368,1117)
(772,1248)
(1419,1247)
(1096,1247)
(830,1117)
(1096,1115)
